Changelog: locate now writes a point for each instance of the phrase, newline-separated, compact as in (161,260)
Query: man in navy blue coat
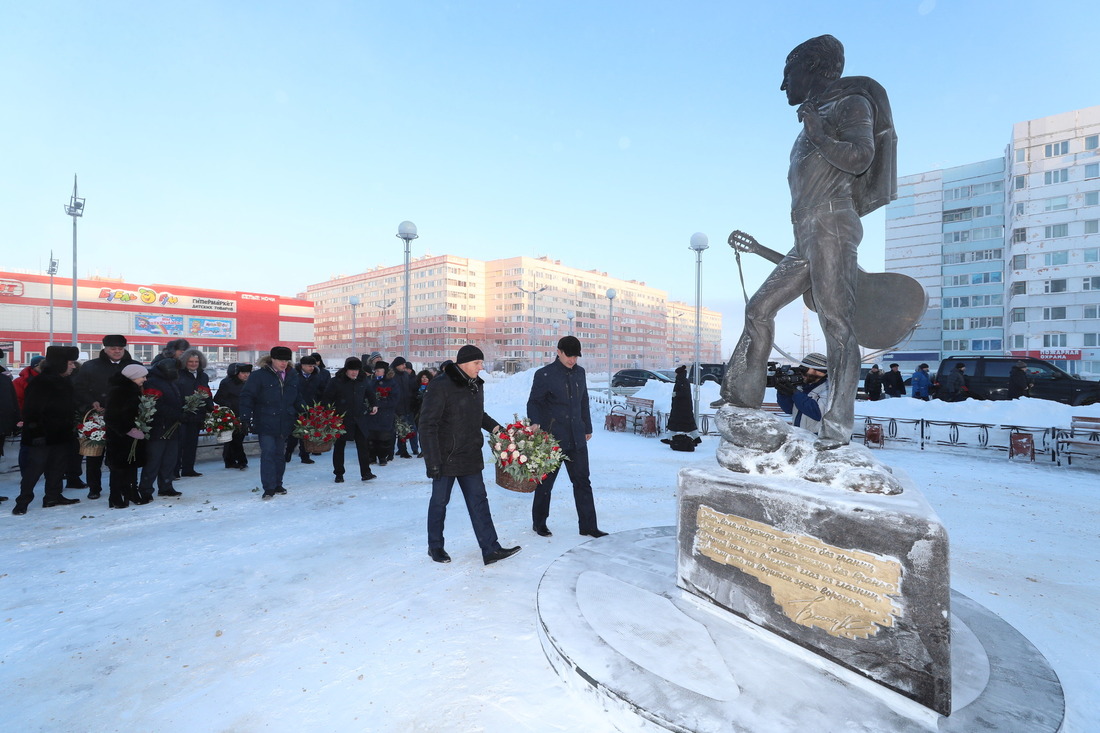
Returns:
(559,405)
(269,408)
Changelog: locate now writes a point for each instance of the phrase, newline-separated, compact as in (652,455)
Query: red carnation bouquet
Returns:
(524,454)
(319,426)
(221,420)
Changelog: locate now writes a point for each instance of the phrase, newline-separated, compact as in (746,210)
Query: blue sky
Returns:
(266,146)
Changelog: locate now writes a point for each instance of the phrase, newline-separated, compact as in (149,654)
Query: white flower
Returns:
(515,455)
(523,459)
(511,446)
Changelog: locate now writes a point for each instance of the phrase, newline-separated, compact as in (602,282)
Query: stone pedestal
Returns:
(861,579)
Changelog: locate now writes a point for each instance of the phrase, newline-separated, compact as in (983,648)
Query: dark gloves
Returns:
(784,387)
(434,471)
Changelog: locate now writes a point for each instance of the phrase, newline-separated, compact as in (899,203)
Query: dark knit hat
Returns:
(682,369)
(467,353)
(281,352)
(36,360)
(354,363)
(816,361)
(960,365)
(398,362)
(381,365)
(114,339)
(244,367)
(308,360)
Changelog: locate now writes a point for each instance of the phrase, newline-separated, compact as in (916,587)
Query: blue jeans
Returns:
(477,504)
(272,462)
(577,468)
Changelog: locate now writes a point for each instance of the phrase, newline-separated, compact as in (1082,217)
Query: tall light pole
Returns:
(610,317)
(675,320)
(698,244)
(52,271)
(353,301)
(572,315)
(75,209)
(533,331)
(407,230)
(384,307)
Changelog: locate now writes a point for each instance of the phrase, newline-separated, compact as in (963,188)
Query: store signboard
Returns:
(217,328)
(158,325)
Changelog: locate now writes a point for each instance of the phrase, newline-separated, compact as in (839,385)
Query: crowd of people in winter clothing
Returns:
(154,416)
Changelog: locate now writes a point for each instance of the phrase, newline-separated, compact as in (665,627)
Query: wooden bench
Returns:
(645,419)
(1082,440)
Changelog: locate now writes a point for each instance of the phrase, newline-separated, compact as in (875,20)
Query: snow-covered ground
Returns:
(320,610)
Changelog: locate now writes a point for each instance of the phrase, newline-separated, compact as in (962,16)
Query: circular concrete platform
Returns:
(615,626)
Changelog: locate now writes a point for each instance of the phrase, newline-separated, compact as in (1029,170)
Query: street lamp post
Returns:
(353,301)
(698,244)
(610,317)
(407,230)
(383,307)
(52,271)
(75,209)
(533,331)
(572,315)
(675,320)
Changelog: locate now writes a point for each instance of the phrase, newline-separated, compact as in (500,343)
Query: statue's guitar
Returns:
(889,305)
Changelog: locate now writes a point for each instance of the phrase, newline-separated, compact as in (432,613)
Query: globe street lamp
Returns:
(572,315)
(610,316)
(698,244)
(407,230)
(533,331)
(75,209)
(353,301)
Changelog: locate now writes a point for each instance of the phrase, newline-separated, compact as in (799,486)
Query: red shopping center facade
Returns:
(225,325)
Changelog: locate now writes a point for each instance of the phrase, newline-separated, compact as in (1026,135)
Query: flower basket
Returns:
(506,481)
(318,428)
(92,434)
(524,456)
(221,420)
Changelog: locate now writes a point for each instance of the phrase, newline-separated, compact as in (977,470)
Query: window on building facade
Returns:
(987,233)
(1092,198)
(1019,262)
(958,301)
(1020,155)
(1019,235)
(954,324)
(985,345)
(1056,203)
(1060,175)
(1091,283)
(1019,288)
(1092,226)
(1092,142)
(1019,182)
(1092,170)
(1018,315)
(1054,286)
(1018,342)
(1054,313)
(956,237)
(1092,254)
(1054,340)
(1053,150)
(1056,230)
(955,345)
(1091,339)
(984,278)
(987,322)
(1020,210)
(1050,259)
(1090,311)
(957,215)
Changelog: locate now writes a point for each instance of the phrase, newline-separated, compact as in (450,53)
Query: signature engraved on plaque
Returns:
(844,592)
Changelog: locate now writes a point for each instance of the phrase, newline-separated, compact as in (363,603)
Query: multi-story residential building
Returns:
(515,308)
(1007,248)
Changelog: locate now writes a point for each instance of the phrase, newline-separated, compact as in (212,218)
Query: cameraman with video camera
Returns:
(804,392)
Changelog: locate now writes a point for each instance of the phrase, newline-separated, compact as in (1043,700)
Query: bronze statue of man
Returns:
(843,166)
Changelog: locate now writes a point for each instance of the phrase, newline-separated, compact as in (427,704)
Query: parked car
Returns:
(708,372)
(987,379)
(637,377)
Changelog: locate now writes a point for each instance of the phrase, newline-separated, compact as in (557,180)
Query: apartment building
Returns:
(1007,248)
(515,308)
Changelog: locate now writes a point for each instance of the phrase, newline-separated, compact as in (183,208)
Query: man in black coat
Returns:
(403,375)
(91,383)
(311,389)
(559,405)
(162,448)
(451,420)
(893,382)
(1018,384)
(269,408)
(349,394)
(48,429)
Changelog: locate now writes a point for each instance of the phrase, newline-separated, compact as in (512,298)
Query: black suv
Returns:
(987,379)
(637,377)
(707,373)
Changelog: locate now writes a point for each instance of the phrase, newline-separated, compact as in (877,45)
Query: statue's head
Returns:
(811,66)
